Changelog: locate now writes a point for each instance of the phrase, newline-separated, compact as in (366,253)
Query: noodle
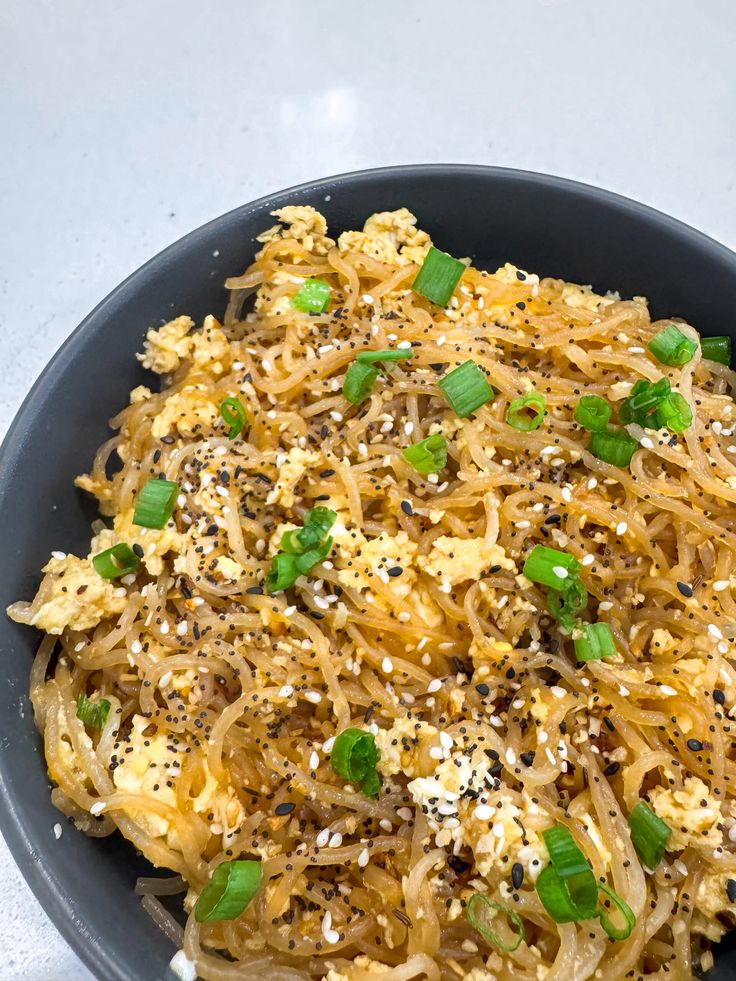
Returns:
(416,625)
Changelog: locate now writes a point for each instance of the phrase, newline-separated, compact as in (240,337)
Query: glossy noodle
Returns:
(415,624)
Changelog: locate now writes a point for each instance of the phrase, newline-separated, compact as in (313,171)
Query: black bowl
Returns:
(552,226)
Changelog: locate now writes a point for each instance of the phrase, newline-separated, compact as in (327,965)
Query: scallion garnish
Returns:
(672,347)
(354,757)
(394,355)
(616,932)
(301,549)
(232,886)
(554,897)
(673,413)
(595,644)
(649,835)
(438,277)
(478,916)
(567,603)
(428,455)
(93,713)
(592,413)
(359,380)
(716,349)
(550,567)
(119,560)
(527,413)
(645,397)
(573,869)
(233,412)
(466,388)
(613,446)
(155,503)
(312,297)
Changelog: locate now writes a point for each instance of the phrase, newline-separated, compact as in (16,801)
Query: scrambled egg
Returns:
(374,559)
(302,223)
(74,595)
(389,236)
(405,748)
(456,560)
(692,813)
(364,966)
(165,347)
(149,765)
(291,468)
(189,412)
(156,543)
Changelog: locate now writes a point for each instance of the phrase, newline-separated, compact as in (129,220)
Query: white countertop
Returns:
(126,125)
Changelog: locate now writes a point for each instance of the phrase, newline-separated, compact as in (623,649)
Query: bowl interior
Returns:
(542,224)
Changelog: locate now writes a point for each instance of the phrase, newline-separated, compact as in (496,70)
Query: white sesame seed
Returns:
(367,298)
(336,840)
(409,428)
(434,685)
(98,807)
(592,483)
(59,556)
(387,665)
(605,605)
(446,740)
(621,528)
(636,350)
(499,829)
(588,559)
(560,571)
(547,450)
(483,812)
(289,611)
(57,831)
(522,524)
(667,690)
(720,584)
(136,647)
(426,659)
(363,859)
(313,696)
(328,744)
(714,631)
(436,753)
(181,628)
(550,755)
(557,691)
(336,416)
(566,494)
(623,691)
(286,691)
(646,443)
(510,756)
(267,366)
(313,760)
(542,737)
(165,679)
(405,813)
(322,838)
(446,809)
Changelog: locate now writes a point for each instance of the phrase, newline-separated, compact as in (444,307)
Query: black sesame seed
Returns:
(731,890)
(527,758)
(511,673)
(395,571)
(685,589)
(612,768)
(483,690)
(283,809)
(719,696)
(138,549)
(695,745)
(407,508)
(327,473)
(609,725)
(255,590)
(517,875)
(457,864)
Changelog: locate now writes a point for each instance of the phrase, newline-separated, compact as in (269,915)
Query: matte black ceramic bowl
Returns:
(549,225)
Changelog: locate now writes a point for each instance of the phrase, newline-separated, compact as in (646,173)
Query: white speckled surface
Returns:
(125,125)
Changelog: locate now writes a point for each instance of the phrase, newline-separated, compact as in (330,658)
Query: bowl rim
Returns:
(44,884)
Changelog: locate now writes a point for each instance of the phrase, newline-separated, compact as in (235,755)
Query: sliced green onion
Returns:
(119,560)
(716,349)
(573,868)
(518,415)
(438,277)
(233,412)
(428,455)
(595,644)
(354,757)
(554,897)
(613,446)
(592,413)
(93,713)
(466,388)
(359,380)
(550,567)
(645,397)
(613,931)
(155,503)
(317,522)
(283,574)
(312,297)
(393,355)
(672,347)
(566,604)
(478,916)
(231,888)
(313,556)
(673,413)
(649,835)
